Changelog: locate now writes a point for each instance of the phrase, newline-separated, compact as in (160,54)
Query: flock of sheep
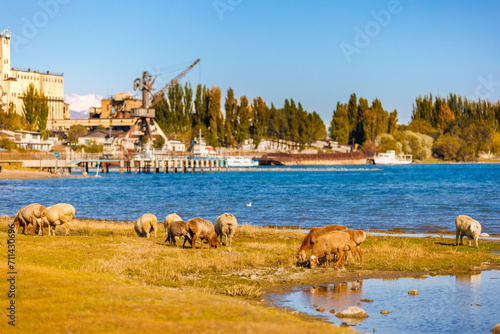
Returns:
(196,228)
(322,241)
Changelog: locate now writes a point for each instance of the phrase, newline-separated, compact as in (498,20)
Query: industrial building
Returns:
(15,82)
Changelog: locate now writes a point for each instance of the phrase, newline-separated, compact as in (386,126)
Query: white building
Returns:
(13,84)
(28,139)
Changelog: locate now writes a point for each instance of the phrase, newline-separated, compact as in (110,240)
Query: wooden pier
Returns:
(172,165)
(136,166)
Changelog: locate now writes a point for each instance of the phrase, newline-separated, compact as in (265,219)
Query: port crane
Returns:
(145,116)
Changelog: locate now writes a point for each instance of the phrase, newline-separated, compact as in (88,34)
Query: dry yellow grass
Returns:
(103,278)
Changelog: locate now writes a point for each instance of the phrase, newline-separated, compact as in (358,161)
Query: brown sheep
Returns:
(203,229)
(358,237)
(311,237)
(145,225)
(171,218)
(226,225)
(58,214)
(31,214)
(177,229)
(331,243)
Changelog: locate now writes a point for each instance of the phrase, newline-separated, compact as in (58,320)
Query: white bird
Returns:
(249,204)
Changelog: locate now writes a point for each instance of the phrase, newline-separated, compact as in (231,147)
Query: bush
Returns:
(387,142)
(417,144)
(446,147)
(7,144)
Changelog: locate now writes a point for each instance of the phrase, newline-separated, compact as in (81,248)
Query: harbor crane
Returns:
(145,116)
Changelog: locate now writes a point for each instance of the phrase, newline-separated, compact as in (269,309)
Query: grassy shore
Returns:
(103,278)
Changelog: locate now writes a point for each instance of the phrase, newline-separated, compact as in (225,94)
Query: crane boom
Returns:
(175,80)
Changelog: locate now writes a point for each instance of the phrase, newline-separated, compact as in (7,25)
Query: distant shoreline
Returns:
(9,174)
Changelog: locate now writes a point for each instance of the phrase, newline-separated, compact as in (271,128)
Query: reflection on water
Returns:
(445,304)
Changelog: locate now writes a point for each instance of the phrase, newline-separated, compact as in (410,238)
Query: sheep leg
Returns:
(360,254)
(186,237)
(193,241)
(184,244)
(477,245)
(226,241)
(67,228)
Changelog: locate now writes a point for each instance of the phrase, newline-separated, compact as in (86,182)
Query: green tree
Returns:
(76,131)
(260,120)
(243,112)
(392,123)
(339,126)
(11,120)
(35,109)
(446,147)
(7,143)
(230,108)
(214,115)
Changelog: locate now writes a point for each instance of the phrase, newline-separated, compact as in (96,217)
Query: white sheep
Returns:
(226,225)
(145,225)
(58,214)
(173,217)
(466,226)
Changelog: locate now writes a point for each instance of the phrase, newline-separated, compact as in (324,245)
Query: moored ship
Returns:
(391,158)
(308,159)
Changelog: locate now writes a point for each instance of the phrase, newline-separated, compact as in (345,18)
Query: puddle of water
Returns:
(444,304)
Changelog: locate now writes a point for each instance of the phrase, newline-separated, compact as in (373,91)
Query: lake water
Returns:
(416,198)
(444,304)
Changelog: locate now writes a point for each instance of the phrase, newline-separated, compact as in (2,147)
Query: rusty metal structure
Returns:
(307,159)
(145,116)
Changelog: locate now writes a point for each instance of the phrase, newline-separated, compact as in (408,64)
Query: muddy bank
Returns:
(8,174)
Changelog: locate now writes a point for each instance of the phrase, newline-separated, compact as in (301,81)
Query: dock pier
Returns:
(69,161)
(171,165)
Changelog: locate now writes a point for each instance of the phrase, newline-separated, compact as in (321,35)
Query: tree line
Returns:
(182,114)
(358,122)
(462,128)
(450,128)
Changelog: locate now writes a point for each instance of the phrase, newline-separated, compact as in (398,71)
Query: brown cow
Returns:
(203,229)
(31,214)
(311,237)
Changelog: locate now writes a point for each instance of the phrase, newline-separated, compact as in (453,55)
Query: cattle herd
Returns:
(331,240)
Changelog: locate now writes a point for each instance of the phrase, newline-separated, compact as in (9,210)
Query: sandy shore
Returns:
(8,174)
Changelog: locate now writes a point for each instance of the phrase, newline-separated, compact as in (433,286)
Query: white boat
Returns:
(390,158)
(240,161)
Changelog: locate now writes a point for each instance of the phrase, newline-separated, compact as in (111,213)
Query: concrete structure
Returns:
(28,139)
(65,124)
(14,83)
(119,107)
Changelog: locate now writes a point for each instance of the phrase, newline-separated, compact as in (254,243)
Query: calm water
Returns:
(416,197)
(444,304)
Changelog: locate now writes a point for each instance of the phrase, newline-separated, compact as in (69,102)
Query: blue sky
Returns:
(316,52)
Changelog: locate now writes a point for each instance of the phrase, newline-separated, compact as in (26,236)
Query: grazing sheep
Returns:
(466,226)
(177,229)
(358,237)
(58,214)
(203,229)
(145,225)
(331,243)
(173,217)
(313,235)
(31,214)
(226,225)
